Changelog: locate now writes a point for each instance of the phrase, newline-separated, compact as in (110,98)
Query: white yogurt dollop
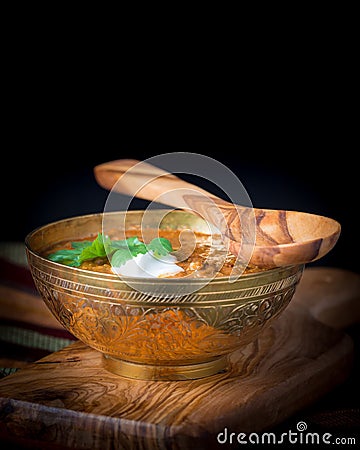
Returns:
(147,266)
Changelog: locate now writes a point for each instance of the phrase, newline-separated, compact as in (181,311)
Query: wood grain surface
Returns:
(68,400)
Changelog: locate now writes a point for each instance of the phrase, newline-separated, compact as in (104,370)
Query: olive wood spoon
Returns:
(282,237)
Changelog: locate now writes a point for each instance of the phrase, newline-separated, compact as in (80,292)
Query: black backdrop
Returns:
(42,186)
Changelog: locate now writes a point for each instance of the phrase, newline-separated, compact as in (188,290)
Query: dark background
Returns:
(43,186)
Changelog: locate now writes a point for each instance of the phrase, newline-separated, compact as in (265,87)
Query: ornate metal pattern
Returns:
(162,334)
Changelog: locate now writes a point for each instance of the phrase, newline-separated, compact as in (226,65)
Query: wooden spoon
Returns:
(282,237)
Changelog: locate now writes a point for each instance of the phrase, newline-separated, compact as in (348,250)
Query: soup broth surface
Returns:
(199,255)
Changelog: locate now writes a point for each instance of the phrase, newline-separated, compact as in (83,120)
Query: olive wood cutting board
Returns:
(68,400)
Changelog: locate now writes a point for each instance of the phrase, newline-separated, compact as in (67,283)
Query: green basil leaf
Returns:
(120,257)
(97,249)
(69,257)
(132,244)
(81,244)
(160,246)
(119,251)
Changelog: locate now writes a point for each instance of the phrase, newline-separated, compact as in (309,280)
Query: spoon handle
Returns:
(142,180)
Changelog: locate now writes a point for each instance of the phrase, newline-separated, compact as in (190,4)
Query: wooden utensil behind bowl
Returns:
(280,237)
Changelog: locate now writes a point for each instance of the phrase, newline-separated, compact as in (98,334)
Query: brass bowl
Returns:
(155,336)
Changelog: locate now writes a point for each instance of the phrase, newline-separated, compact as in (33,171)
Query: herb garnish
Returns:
(118,251)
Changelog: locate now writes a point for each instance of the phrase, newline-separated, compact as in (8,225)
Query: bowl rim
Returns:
(114,277)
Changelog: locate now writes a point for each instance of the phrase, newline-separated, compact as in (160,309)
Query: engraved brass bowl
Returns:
(158,336)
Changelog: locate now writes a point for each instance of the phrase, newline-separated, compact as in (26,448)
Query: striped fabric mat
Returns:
(28,330)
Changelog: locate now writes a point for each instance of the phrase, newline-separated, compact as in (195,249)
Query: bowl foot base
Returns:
(164,373)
